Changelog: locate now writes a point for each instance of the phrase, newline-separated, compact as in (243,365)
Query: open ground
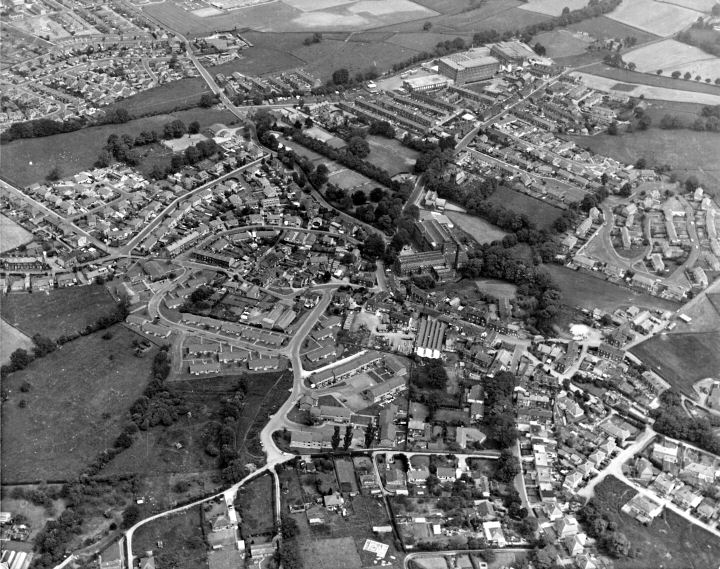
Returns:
(686,151)
(543,215)
(479,229)
(12,235)
(587,291)
(682,359)
(57,313)
(669,541)
(671,55)
(29,160)
(553,7)
(663,19)
(75,404)
(165,98)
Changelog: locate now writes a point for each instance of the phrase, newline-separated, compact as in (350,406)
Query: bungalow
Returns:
(642,508)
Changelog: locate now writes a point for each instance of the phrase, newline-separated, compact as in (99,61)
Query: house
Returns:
(665,452)
(395,481)
(643,470)
(575,544)
(698,474)
(643,508)
(494,533)
(566,526)
(445,474)
(572,480)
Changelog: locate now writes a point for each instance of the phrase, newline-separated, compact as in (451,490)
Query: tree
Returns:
(104,159)
(631,66)
(641,164)
(687,76)
(427,26)
(207,100)
(194,127)
(359,147)
(613,128)
(373,248)
(692,183)
(376,194)
(340,76)
(675,74)
(369,435)
(507,467)
(659,71)
(617,544)
(347,440)
(131,516)
(539,49)
(359,197)
(55,173)
(335,441)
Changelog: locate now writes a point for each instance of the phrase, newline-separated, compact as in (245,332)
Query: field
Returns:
(686,151)
(586,291)
(655,17)
(29,160)
(182,537)
(662,82)
(71,392)
(12,339)
(603,27)
(12,235)
(391,155)
(671,55)
(165,98)
(61,312)
(479,229)
(669,542)
(540,213)
(682,359)
(563,43)
(254,503)
(553,7)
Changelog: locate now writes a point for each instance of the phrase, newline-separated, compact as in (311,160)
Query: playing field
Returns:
(562,43)
(543,215)
(686,151)
(12,235)
(553,7)
(682,359)
(58,313)
(671,55)
(478,228)
(75,405)
(660,18)
(391,155)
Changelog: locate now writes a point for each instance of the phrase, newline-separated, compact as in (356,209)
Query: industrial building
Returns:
(430,338)
(472,65)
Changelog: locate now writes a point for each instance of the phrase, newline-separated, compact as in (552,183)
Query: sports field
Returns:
(563,43)
(686,151)
(660,18)
(682,359)
(12,235)
(391,155)
(75,405)
(672,55)
(60,312)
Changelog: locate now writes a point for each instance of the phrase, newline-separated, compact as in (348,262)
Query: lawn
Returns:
(670,542)
(254,504)
(165,98)
(543,215)
(480,230)
(183,540)
(58,313)
(76,400)
(587,291)
(682,359)
(686,151)
(12,235)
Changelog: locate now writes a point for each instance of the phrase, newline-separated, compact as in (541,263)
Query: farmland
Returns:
(12,339)
(563,43)
(651,80)
(672,55)
(88,382)
(479,229)
(660,18)
(182,537)
(682,359)
(540,213)
(12,235)
(686,151)
(59,313)
(670,541)
(603,27)
(587,291)
(29,160)
(553,7)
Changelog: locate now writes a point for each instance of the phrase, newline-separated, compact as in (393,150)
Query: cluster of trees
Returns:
(500,412)
(600,526)
(711,47)
(672,420)
(382,128)
(315,38)
(430,374)
(709,120)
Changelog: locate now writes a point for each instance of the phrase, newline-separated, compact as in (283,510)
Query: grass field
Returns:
(543,215)
(670,542)
(682,359)
(553,7)
(12,235)
(651,79)
(586,291)
(182,538)
(254,502)
(604,28)
(686,151)
(660,18)
(165,98)
(30,160)
(12,339)
(61,312)
(479,229)
(75,405)
(671,55)
(391,155)
(563,43)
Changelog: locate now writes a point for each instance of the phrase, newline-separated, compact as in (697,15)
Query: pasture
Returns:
(688,152)
(659,18)
(75,404)
(12,339)
(669,541)
(542,214)
(553,7)
(603,27)
(479,229)
(12,235)
(583,290)
(165,98)
(57,313)
(682,359)
(671,55)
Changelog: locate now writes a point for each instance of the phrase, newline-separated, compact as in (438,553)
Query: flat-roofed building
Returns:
(468,66)
(512,52)
(427,83)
